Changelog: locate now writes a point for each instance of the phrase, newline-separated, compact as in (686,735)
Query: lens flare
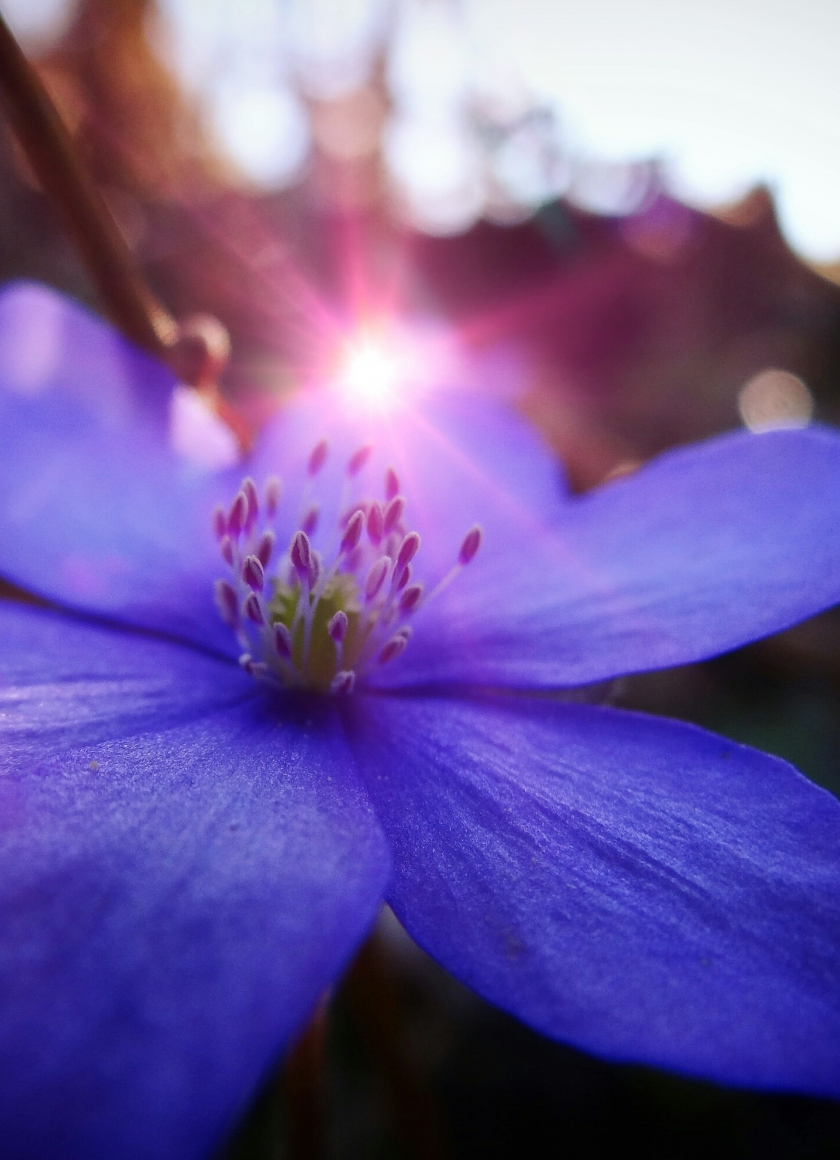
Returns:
(371,371)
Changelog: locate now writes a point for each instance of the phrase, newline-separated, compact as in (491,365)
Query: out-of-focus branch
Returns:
(198,348)
(50,151)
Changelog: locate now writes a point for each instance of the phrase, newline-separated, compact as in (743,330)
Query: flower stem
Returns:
(303,1080)
(51,153)
(375,1005)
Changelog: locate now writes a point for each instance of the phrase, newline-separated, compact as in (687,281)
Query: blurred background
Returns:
(625,218)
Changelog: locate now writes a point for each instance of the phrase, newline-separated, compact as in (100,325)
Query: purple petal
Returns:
(637,887)
(460,458)
(96,510)
(184,867)
(705,549)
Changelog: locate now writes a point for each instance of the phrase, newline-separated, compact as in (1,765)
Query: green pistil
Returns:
(340,594)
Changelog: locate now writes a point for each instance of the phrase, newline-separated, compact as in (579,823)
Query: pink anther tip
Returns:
(376,577)
(408,549)
(392,484)
(375,523)
(301,554)
(394,512)
(219,521)
(318,457)
(471,544)
(282,641)
(343,682)
(337,628)
(273,491)
(252,608)
(358,459)
(253,573)
(353,532)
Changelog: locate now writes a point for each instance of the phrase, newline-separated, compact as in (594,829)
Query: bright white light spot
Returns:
(263,129)
(775,399)
(371,371)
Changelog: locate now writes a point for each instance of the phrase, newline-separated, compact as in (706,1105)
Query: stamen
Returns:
(253,574)
(318,457)
(392,649)
(252,609)
(337,628)
(343,682)
(392,484)
(301,554)
(408,549)
(237,515)
(314,572)
(375,524)
(353,533)
(319,619)
(265,548)
(376,577)
(471,544)
(282,640)
(394,513)
(227,603)
(358,459)
(249,490)
(273,491)
(411,598)
(309,523)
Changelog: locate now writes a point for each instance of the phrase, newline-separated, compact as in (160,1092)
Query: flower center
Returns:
(319,618)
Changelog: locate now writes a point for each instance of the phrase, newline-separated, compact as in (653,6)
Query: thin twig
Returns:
(50,151)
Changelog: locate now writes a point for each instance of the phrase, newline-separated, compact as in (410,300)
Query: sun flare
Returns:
(371,370)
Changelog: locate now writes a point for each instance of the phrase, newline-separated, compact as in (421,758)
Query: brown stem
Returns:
(51,153)
(303,1080)
(374,1002)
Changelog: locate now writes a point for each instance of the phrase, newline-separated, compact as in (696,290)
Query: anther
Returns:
(353,533)
(471,544)
(252,608)
(237,515)
(376,577)
(249,490)
(227,603)
(314,573)
(394,513)
(253,668)
(226,548)
(219,521)
(375,523)
(358,459)
(337,628)
(408,549)
(253,573)
(273,491)
(411,598)
(392,484)
(282,640)
(265,548)
(403,578)
(318,457)
(343,682)
(301,554)
(310,520)
(393,648)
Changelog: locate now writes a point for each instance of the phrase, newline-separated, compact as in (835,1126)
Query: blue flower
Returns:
(189,856)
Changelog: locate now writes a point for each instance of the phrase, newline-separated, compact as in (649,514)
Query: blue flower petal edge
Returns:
(640,888)
(182,873)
